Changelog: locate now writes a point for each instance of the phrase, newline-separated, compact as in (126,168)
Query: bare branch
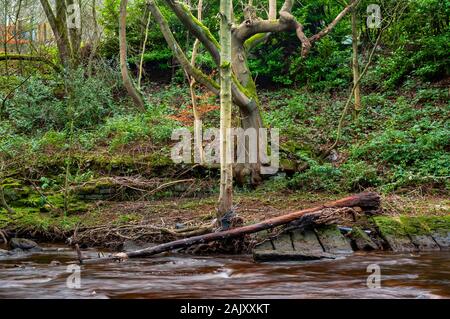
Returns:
(287,22)
(336,20)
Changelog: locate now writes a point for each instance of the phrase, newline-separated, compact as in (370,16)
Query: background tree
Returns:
(67,37)
(355,63)
(127,81)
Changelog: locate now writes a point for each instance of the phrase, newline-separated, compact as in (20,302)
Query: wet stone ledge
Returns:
(399,234)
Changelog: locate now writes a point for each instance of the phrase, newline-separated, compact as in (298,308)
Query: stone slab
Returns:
(306,240)
(333,241)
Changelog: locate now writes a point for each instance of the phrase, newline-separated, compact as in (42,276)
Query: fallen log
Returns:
(367,201)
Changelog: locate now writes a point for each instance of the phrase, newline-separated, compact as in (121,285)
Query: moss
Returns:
(10,183)
(389,226)
(32,219)
(159,160)
(437,224)
(225,65)
(250,42)
(204,28)
(49,202)
(357,233)
(414,226)
(288,165)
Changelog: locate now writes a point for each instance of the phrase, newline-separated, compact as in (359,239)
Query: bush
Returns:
(43,105)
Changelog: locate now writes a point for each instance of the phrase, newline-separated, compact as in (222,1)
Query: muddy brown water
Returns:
(417,275)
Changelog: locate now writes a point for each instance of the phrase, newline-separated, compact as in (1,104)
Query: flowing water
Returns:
(424,275)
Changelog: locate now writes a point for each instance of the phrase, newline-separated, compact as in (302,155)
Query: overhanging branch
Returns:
(196,73)
(197,28)
(287,22)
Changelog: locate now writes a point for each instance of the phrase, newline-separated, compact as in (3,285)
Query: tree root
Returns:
(3,236)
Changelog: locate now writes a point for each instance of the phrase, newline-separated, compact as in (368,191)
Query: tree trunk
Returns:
(58,23)
(141,62)
(369,202)
(127,82)
(198,151)
(355,64)
(226,168)
(272,9)
(250,118)
(75,36)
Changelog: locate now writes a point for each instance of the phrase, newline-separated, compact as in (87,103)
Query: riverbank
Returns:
(115,181)
(110,223)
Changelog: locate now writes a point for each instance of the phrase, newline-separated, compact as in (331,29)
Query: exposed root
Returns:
(113,236)
(3,236)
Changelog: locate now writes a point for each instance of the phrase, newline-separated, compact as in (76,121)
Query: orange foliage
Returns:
(186,116)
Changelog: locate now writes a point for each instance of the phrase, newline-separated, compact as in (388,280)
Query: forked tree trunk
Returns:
(127,82)
(226,168)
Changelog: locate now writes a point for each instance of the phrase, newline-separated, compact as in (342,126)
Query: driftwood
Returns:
(366,201)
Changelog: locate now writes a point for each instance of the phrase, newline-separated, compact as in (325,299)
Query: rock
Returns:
(55,263)
(439,229)
(4,253)
(275,255)
(24,244)
(442,239)
(362,241)
(394,234)
(419,232)
(265,245)
(306,240)
(333,241)
(424,242)
(293,245)
(283,243)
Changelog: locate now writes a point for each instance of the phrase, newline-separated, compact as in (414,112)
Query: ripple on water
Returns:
(403,276)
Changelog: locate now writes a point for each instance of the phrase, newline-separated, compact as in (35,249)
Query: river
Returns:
(416,275)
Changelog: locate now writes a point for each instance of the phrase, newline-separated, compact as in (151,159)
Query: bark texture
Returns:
(226,168)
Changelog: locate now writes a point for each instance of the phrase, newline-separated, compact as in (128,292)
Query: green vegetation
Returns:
(68,129)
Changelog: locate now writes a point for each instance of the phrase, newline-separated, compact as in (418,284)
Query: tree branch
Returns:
(287,22)
(336,20)
(178,52)
(197,28)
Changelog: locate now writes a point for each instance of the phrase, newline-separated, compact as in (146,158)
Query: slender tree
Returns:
(226,168)
(144,43)
(192,84)
(127,81)
(68,40)
(355,63)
